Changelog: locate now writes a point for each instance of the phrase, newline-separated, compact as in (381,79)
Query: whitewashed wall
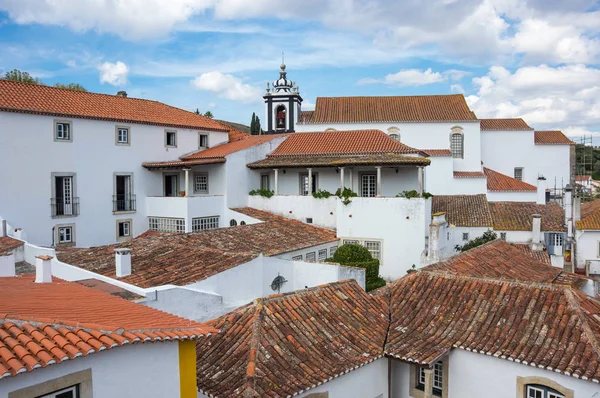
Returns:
(128,371)
(422,136)
(94,156)
(465,186)
(511,196)
(299,208)
(401,224)
(587,247)
(456,237)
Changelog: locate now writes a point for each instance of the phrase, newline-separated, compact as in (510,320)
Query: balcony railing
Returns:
(123,203)
(64,206)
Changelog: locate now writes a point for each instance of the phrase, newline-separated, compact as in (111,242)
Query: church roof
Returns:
(504,124)
(417,108)
(501,182)
(552,137)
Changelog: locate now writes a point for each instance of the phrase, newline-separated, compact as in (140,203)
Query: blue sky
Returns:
(536,59)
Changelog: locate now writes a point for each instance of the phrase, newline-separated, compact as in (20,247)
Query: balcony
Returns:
(64,207)
(123,203)
(185,207)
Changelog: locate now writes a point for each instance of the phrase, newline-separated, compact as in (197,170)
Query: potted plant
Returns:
(182,193)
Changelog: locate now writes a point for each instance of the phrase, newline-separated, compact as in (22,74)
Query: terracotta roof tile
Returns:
(469,174)
(53,322)
(237,131)
(554,137)
(339,161)
(283,345)
(590,216)
(504,124)
(8,244)
(181,259)
(517,216)
(541,256)
(437,152)
(418,108)
(463,210)
(500,182)
(46,100)
(306,117)
(583,178)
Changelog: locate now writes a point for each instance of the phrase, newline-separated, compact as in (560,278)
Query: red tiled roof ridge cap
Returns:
(302,292)
(576,307)
(382,152)
(396,96)
(497,280)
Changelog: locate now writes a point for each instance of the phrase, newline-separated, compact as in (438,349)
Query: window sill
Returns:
(125,212)
(170,146)
(122,144)
(70,244)
(65,216)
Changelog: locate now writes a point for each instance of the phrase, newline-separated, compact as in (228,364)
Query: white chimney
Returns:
(4,228)
(43,269)
(436,231)
(7,264)
(576,208)
(536,240)
(541,190)
(123,262)
(567,202)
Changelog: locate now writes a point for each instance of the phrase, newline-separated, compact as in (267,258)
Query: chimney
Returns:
(7,264)
(536,240)
(123,262)
(576,208)
(567,202)
(4,233)
(436,231)
(43,269)
(541,190)
(122,93)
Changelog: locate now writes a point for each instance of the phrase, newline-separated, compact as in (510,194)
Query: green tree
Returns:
(23,77)
(487,236)
(71,86)
(208,114)
(353,255)
(255,125)
(197,111)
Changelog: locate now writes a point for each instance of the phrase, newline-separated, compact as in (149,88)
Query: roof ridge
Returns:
(395,96)
(253,345)
(574,304)
(308,290)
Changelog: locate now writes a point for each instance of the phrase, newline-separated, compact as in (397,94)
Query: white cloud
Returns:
(578,132)
(542,95)
(416,77)
(457,88)
(115,74)
(227,86)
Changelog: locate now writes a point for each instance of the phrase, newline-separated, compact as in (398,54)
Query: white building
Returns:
(62,339)
(587,236)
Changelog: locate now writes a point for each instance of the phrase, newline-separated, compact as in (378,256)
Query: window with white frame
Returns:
(70,392)
(123,228)
(465,236)
(438,378)
(122,135)
(368,185)
(540,391)
(332,250)
(171,139)
(163,224)
(311,257)
(297,258)
(65,234)
(264,181)
(205,223)
(322,255)
(62,131)
(457,143)
(201,183)
(519,173)
(304,184)
(202,141)
(373,246)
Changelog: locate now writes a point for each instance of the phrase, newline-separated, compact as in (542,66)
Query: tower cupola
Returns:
(282,104)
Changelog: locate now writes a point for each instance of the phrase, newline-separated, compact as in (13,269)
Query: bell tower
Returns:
(282,104)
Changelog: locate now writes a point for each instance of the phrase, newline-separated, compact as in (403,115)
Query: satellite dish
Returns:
(278,283)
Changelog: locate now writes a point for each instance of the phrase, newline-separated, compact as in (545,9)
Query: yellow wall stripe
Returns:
(187,369)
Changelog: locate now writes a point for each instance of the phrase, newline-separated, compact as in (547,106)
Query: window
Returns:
(438,378)
(242,222)
(123,229)
(447,235)
(232,223)
(201,183)
(264,181)
(322,255)
(519,173)
(373,246)
(62,131)
(465,236)
(64,202)
(304,184)
(204,223)
(65,234)
(368,185)
(123,199)
(311,257)
(332,250)
(395,137)
(598,248)
(540,391)
(309,220)
(162,224)
(122,135)
(71,392)
(280,118)
(297,258)
(457,143)
(171,185)
(202,141)
(503,235)
(171,139)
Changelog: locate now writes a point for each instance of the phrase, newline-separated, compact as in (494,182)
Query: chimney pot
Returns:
(7,264)
(123,262)
(43,269)
(122,93)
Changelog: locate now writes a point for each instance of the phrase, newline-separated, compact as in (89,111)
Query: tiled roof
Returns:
(389,159)
(237,131)
(504,124)
(47,323)
(541,325)
(286,344)
(590,216)
(500,182)
(517,216)
(583,178)
(553,137)
(504,261)
(7,244)
(60,102)
(437,152)
(215,154)
(463,210)
(469,174)
(541,256)
(306,117)
(417,108)
(181,259)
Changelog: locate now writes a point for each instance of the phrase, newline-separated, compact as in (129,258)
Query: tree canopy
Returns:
(23,77)
(255,128)
(209,114)
(71,86)
(487,236)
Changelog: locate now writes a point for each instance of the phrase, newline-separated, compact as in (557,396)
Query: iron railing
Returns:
(123,202)
(64,206)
